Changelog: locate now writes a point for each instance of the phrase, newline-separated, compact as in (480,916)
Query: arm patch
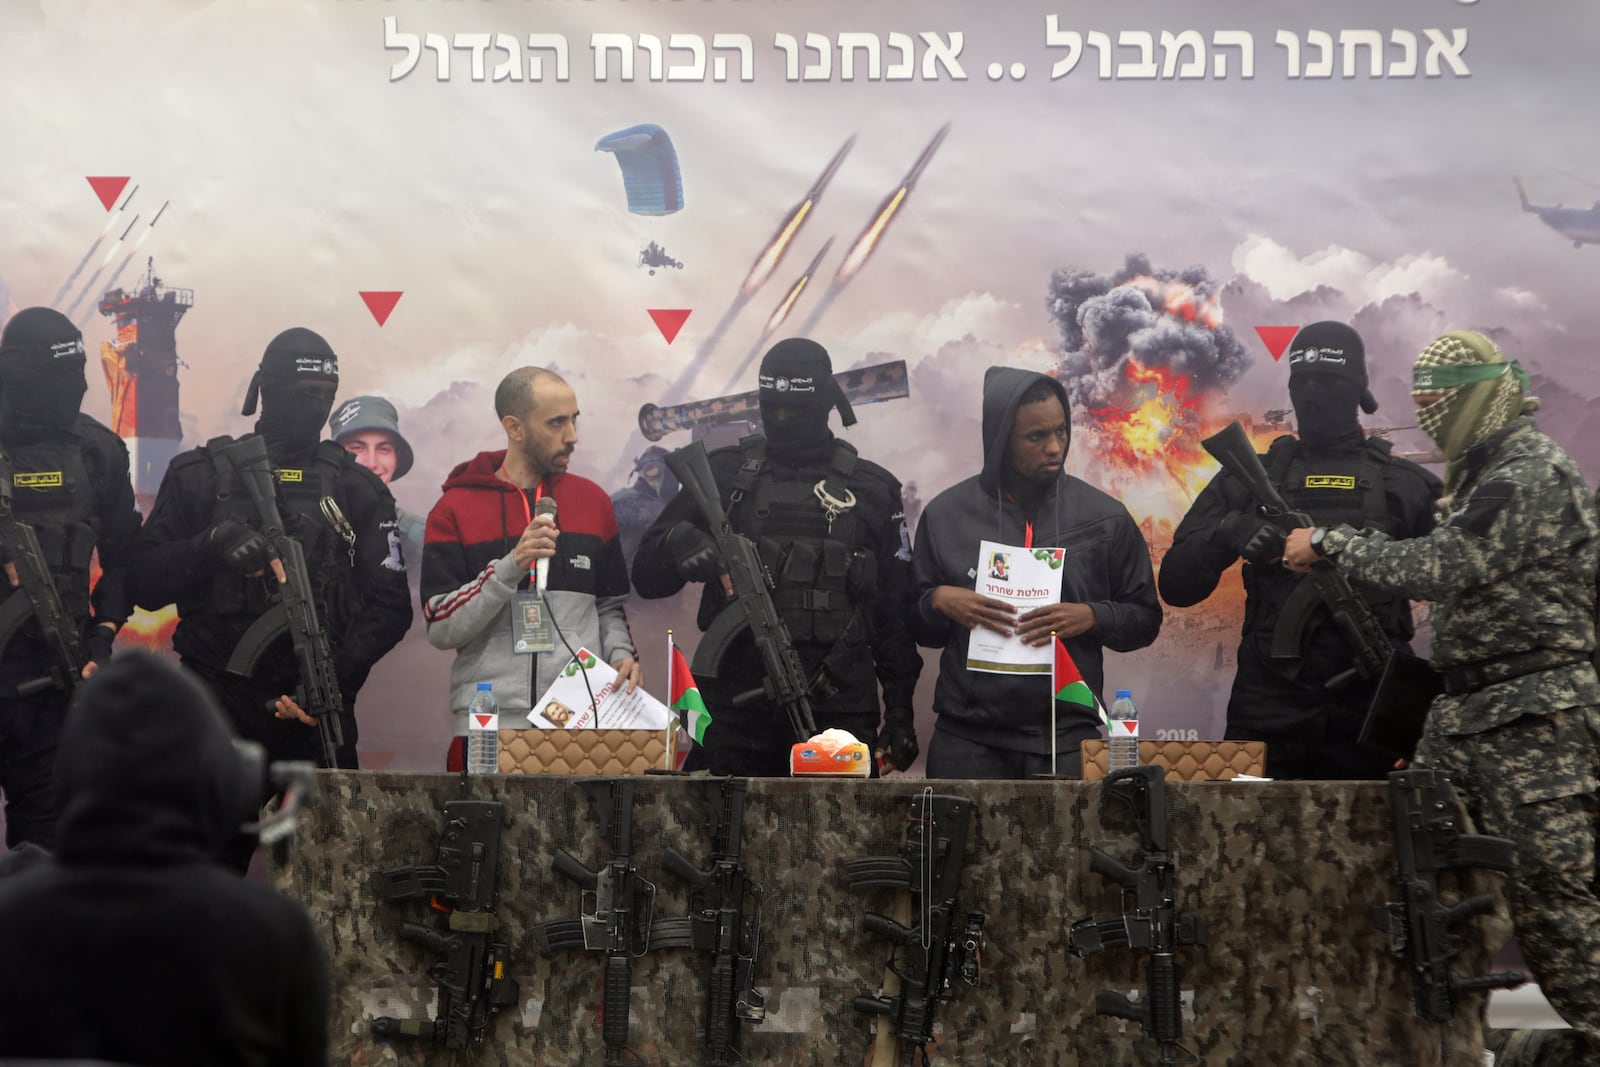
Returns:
(1488,501)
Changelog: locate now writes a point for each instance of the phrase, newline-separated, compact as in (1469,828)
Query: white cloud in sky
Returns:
(1358,276)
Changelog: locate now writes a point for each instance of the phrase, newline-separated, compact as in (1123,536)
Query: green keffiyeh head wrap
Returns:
(1482,392)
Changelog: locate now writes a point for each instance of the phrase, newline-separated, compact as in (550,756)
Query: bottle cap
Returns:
(1120,692)
(482,686)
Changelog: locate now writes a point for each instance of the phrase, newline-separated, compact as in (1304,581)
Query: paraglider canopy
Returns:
(649,168)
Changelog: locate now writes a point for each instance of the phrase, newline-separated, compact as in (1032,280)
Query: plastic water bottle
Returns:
(483,732)
(1124,730)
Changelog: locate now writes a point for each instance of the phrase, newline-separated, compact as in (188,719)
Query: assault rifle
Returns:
(1428,839)
(784,681)
(620,907)
(471,969)
(293,610)
(724,919)
(1150,921)
(1354,617)
(942,943)
(36,597)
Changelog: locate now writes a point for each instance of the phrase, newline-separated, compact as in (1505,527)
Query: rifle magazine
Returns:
(559,935)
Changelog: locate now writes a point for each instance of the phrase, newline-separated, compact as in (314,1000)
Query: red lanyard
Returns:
(1027,527)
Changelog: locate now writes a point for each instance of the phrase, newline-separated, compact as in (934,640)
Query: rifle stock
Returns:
(472,961)
(784,682)
(1428,839)
(621,907)
(318,692)
(934,941)
(724,918)
(1150,920)
(36,596)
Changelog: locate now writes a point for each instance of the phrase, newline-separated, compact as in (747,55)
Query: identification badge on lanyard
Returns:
(530,625)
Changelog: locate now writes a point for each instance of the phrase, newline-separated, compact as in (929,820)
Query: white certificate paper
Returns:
(1025,578)
(566,705)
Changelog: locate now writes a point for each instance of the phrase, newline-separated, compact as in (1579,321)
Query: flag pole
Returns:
(672,731)
(1054,689)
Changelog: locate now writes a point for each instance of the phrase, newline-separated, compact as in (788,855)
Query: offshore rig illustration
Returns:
(141,370)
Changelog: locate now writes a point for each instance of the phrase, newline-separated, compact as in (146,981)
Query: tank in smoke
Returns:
(864,385)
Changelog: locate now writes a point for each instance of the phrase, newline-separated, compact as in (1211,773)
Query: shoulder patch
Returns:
(1487,502)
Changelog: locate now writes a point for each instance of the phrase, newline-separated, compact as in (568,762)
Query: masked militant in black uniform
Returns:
(1336,474)
(830,527)
(65,477)
(203,549)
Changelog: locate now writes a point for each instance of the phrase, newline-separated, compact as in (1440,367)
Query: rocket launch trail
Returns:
(766,262)
(111,222)
(873,234)
(779,315)
(111,283)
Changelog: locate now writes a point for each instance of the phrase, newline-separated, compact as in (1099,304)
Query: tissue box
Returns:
(833,758)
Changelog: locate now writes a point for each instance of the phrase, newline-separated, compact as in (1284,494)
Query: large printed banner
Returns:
(1144,200)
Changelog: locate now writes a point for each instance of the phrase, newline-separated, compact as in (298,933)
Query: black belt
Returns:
(1475,676)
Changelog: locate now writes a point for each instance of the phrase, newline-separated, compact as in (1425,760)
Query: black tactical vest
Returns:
(823,569)
(1346,489)
(330,554)
(51,492)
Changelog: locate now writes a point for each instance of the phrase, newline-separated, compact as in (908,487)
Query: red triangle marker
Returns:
(1276,338)
(107,189)
(381,303)
(669,320)
(482,720)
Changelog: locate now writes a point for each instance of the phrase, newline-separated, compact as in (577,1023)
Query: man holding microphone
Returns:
(502,585)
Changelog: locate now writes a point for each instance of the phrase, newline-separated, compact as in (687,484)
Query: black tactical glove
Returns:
(235,544)
(98,643)
(899,737)
(1250,536)
(694,553)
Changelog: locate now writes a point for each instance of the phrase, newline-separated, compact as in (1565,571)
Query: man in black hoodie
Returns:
(132,944)
(996,725)
(202,549)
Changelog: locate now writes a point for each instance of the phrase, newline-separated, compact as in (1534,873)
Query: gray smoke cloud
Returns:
(1162,318)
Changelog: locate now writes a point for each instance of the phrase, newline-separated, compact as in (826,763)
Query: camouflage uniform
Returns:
(1511,574)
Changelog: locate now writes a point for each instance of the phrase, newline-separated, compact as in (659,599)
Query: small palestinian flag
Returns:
(1070,686)
(686,696)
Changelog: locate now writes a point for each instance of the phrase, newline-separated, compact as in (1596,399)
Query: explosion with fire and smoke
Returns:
(1146,357)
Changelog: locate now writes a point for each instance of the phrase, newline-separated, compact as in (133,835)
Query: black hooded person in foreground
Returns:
(202,550)
(842,582)
(68,481)
(133,944)
(995,724)
(1334,473)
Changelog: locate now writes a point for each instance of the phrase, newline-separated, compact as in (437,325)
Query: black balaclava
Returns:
(1327,382)
(796,390)
(41,374)
(291,419)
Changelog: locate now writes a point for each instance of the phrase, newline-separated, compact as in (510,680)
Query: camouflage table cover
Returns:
(1283,874)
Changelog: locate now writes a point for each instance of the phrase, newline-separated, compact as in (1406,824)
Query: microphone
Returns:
(546,506)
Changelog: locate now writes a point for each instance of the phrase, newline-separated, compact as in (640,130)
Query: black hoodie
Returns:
(1107,567)
(131,944)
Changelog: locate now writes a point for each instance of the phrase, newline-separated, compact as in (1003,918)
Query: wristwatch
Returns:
(1317,537)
